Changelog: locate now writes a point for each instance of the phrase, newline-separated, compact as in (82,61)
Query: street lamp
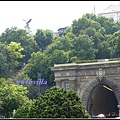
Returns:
(14,112)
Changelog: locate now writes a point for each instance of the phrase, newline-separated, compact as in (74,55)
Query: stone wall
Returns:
(82,78)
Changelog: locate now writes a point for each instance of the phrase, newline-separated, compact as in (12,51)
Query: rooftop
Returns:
(111,8)
(62,28)
(83,64)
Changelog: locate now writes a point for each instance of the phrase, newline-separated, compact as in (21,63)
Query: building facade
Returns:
(97,84)
(112,12)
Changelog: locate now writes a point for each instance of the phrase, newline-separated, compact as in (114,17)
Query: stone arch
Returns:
(87,93)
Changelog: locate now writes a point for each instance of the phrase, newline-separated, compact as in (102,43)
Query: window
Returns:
(67,86)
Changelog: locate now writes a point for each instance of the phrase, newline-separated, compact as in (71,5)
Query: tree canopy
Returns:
(55,103)
(12,97)
(89,38)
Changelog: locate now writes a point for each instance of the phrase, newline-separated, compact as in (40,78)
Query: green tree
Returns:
(102,31)
(37,64)
(104,51)
(43,38)
(3,58)
(92,32)
(108,24)
(82,24)
(57,103)
(14,50)
(69,30)
(83,48)
(23,110)
(41,63)
(12,97)
(110,40)
(27,42)
(90,16)
(116,47)
(58,57)
(61,43)
(3,82)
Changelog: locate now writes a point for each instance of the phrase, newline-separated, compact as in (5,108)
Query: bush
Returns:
(58,103)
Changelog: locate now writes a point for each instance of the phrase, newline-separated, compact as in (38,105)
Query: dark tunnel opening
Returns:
(104,101)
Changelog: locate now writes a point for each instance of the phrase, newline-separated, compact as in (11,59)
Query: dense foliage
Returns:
(55,103)
(89,38)
(12,97)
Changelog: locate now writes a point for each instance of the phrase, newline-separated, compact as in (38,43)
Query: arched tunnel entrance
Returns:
(103,100)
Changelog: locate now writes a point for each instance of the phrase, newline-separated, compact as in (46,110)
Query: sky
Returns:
(50,15)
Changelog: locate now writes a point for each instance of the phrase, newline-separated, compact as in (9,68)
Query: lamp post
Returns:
(14,112)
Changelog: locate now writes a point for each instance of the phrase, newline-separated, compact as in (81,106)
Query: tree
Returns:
(90,16)
(23,110)
(97,36)
(20,36)
(83,48)
(61,43)
(57,103)
(40,63)
(37,64)
(104,51)
(3,82)
(116,37)
(3,58)
(9,55)
(43,38)
(69,30)
(12,97)
(82,24)
(58,57)
(14,50)
(108,24)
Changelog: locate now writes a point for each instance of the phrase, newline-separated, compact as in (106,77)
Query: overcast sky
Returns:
(47,14)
